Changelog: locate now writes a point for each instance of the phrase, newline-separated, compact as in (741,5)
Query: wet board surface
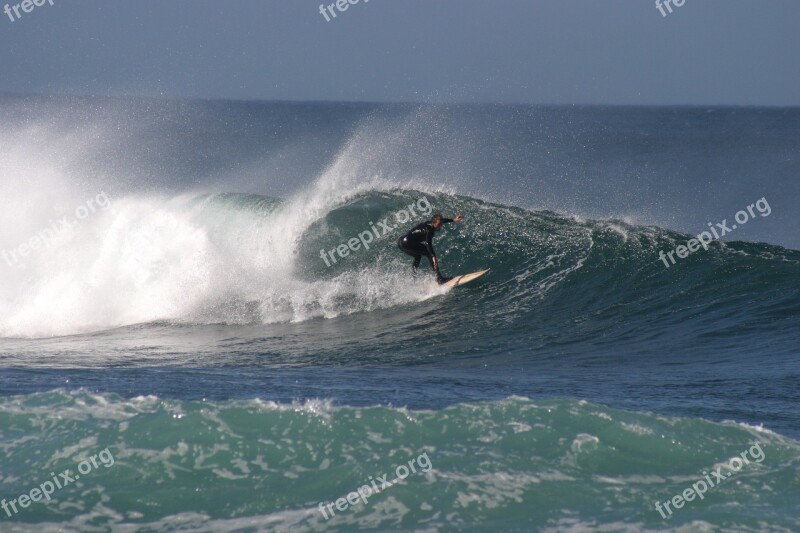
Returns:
(466,278)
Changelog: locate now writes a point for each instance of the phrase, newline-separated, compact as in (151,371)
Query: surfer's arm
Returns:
(429,247)
(458,218)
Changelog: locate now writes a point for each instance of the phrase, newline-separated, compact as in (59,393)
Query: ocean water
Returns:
(174,330)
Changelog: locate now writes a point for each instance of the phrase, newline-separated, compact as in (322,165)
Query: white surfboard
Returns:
(466,278)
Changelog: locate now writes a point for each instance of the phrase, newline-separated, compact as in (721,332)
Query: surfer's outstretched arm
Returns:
(458,218)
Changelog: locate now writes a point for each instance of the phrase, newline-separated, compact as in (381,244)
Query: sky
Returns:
(724,52)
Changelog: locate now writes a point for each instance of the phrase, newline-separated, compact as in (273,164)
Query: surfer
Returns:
(419,242)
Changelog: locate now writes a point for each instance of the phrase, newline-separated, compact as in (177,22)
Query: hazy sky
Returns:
(739,52)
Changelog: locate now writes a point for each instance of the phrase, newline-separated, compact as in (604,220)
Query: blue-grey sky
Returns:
(737,52)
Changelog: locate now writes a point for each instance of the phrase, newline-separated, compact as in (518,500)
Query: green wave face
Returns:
(512,465)
(576,280)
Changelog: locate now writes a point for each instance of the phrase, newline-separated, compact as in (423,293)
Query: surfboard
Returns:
(466,278)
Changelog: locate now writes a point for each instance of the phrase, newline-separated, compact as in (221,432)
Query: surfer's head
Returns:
(437,221)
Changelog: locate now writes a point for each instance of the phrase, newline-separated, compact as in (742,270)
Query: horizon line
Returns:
(388,102)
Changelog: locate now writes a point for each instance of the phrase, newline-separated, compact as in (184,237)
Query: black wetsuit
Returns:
(419,242)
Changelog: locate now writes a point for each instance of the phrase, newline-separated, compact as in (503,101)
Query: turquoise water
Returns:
(514,465)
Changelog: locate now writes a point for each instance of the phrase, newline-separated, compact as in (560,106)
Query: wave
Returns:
(242,259)
(515,464)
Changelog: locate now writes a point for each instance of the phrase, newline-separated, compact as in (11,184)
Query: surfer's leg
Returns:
(415,264)
(417,252)
(410,250)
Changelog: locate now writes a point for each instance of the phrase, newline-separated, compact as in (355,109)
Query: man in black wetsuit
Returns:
(419,242)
